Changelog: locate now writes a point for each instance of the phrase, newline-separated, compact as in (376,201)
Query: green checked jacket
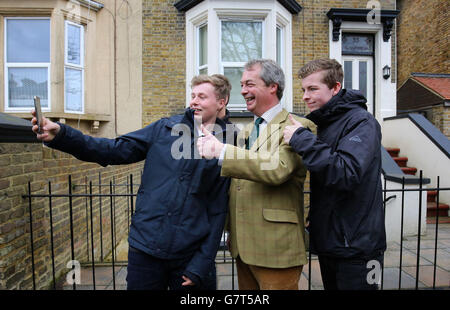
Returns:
(266,218)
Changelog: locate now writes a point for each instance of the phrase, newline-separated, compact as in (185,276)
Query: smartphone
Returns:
(39,117)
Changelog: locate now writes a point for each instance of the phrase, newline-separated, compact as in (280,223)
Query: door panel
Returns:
(358,74)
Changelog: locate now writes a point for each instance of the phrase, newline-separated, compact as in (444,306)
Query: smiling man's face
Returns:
(205,103)
(315,92)
(255,92)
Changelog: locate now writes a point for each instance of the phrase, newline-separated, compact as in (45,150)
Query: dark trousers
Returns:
(350,273)
(146,272)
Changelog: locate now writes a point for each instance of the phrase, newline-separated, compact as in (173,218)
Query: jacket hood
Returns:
(345,100)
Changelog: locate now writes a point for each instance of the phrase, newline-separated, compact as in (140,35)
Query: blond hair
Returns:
(220,82)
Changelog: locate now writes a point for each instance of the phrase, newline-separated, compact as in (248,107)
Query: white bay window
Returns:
(223,35)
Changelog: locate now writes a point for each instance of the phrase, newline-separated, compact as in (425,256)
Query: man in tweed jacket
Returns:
(266,220)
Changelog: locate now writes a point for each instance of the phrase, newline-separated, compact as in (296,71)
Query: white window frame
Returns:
(270,12)
(68,65)
(24,65)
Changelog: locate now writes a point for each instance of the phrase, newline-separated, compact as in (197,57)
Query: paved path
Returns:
(226,272)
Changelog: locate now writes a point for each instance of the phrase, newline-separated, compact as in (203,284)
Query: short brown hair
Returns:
(332,68)
(220,82)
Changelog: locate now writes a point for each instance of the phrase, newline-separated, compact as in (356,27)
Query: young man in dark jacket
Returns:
(346,217)
(182,200)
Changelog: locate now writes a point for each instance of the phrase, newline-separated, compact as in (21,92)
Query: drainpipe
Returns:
(113,16)
(115,70)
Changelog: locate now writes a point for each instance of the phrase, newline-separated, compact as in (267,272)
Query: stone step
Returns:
(409,170)
(393,151)
(401,161)
(432,209)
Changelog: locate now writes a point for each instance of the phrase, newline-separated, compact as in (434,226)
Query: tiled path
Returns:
(103,275)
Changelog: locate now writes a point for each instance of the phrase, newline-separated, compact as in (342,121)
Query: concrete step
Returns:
(401,161)
(409,170)
(393,151)
(431,196)
(432,209)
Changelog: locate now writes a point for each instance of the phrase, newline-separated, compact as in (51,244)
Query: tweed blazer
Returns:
(266,218)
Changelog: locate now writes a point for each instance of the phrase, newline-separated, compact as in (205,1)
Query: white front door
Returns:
(358,74)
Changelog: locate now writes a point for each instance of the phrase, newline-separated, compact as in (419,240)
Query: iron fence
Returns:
(108,236)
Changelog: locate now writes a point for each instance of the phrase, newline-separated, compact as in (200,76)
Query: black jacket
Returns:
(182,201)
(344,159)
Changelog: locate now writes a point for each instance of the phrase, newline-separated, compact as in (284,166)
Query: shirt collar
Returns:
(269,115)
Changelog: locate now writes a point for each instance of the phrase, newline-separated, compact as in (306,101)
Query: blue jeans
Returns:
(146,272)
(349,273)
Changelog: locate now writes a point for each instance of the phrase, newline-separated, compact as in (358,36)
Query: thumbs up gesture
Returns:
(208,146)
(290,129)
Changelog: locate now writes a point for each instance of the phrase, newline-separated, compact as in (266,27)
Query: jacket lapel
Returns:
(271,129)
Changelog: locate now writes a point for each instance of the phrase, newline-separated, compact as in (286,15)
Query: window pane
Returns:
(73,80)
(357,44)
(28,40)
(203,71)
(73,44)
(24,84)
(241,41)
(363,77)
(279,38)
(348,74)
(235,75)
(203,45)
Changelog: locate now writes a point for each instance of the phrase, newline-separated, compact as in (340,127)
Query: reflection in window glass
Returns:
(357,44)
(279,42)
(24,84)
(73,44)
(73,90)
(203,45)
(241,41)
(234,75)
(348,74)
(363,77)
(28,40)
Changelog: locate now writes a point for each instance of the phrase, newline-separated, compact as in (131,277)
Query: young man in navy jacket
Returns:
(182,200)
(346,219)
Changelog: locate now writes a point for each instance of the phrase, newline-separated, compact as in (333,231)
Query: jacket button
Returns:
(238,188)
(181,178)
(169,214)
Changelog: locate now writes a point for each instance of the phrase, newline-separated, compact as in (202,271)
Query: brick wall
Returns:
(21,163)
(163,60)
(423,45)
(441,119)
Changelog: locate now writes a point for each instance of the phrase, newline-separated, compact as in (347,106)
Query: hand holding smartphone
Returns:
(39,117)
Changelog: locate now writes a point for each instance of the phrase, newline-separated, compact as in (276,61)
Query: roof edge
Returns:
(291,5)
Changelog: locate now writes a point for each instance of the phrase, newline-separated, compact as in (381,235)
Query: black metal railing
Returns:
(109,237)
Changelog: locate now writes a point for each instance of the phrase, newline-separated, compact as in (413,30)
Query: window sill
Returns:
(62,115)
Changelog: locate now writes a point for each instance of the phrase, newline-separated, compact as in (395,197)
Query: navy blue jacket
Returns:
(181,203)
(344,159)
